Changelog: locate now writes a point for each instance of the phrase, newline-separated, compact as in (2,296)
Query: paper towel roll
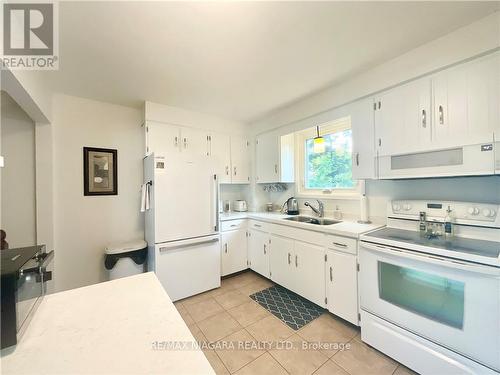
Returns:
(363,208)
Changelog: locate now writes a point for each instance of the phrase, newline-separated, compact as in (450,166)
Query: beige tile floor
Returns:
(229,315)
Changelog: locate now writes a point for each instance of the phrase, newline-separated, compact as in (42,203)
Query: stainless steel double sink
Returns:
(312,220)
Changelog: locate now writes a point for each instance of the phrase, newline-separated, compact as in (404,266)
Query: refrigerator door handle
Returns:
(216,203)
(187,243)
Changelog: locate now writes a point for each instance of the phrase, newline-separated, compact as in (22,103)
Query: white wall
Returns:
(18,210)
(84,225)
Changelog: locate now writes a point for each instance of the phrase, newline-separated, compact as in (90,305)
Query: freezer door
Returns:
(188,267)
(185,199)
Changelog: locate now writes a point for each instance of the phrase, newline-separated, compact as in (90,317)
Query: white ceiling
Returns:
(239,60)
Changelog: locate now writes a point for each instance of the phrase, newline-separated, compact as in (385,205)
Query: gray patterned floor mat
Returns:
(287,306)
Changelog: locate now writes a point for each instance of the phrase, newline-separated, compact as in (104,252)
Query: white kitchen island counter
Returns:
(107,328)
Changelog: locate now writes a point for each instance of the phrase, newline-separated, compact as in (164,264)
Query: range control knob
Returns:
(488,212)
(473,210)
(397,207)
(407,207)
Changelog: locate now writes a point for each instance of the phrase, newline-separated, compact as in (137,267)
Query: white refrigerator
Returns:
(182,224)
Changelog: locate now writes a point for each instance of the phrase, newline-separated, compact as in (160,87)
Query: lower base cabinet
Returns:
(234,251)
(298,266)
(258,251)
(342,285)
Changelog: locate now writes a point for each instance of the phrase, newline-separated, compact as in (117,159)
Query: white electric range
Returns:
(430,302)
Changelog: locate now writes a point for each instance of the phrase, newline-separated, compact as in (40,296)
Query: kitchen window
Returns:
(327,171)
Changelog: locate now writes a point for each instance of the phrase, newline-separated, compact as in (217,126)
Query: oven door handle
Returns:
(433,259)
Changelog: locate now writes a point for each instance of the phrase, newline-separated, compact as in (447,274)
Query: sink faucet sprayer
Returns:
(320,211)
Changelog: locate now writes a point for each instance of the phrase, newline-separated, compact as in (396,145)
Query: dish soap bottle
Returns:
(448,225)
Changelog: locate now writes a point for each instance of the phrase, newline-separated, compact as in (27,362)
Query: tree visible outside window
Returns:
(331,169)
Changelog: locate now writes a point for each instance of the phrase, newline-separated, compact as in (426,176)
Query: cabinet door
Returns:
(220,153)
(234,251)
(309,279)
(267,158)
(162,139)
(342,285)
(194,142)
(280,261)
(363,139)
(240,160)
(258,254)
(403,118)
(466,103)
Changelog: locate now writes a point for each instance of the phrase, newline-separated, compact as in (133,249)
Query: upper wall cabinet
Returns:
(230,154)
(168,140)
(363,144)
(403,118)
(456,107)
(274,158)
(466,103)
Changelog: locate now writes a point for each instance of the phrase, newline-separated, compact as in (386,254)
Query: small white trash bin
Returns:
(125,259)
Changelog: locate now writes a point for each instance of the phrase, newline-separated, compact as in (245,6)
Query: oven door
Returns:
(29,291)
(454,304)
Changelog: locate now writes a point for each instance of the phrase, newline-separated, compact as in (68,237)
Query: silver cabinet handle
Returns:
(264,249)
(176,141)
(227,170)
(289,255)
(185,142)
(225,248)
(296,261)
(424,118)
(331,275)
(441,114)
(234,171)
(257,225)
(276,168)
(339,244)
(357,158)
(233,225)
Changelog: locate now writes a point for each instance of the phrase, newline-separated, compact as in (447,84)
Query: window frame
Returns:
(301,137)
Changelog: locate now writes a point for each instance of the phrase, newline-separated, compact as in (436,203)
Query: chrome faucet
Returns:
(320,211)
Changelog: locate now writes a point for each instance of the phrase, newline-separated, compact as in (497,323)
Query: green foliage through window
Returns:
(331,169)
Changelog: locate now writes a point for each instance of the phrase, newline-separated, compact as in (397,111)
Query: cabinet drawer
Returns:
(232,225)
(344,244)
(259,225)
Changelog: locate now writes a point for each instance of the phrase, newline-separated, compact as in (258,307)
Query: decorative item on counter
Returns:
(275,188)
(269,207)
(363,205)
(337,214)
(227,206)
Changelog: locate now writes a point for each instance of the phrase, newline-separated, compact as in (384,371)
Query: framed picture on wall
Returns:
(100,171)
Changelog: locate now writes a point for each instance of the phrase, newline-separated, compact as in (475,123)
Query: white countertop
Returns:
(106,328)
(347,227)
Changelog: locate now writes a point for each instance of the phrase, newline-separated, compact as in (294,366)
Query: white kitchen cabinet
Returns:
(363,140)
(234,251)
(258,251)
(168,140)
(220,153)
(342,285)
(231,156)
(280,261)
(466,103)
(309,278)
(240,160)
(274,158)
(403,118)
(162,139)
